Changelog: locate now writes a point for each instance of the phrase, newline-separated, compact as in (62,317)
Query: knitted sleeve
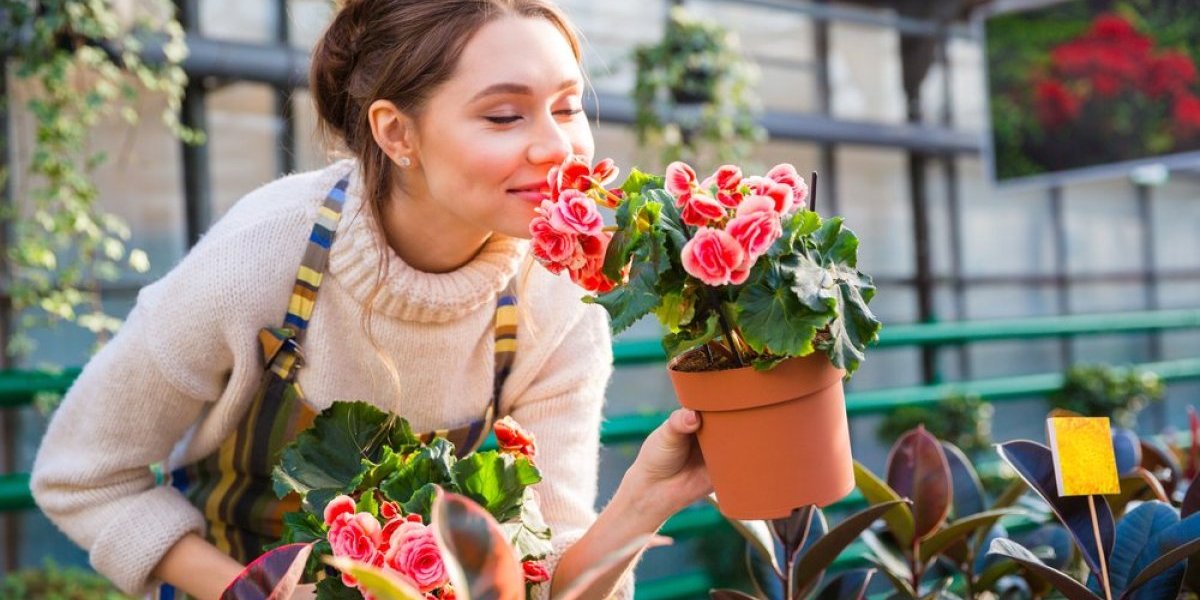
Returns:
(562,407)
(184,357)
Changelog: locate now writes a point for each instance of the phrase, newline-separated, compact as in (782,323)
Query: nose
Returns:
(551,143)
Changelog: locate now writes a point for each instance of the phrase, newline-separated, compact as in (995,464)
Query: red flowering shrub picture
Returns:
(1088,83)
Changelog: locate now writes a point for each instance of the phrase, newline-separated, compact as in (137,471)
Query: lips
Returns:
(534,193)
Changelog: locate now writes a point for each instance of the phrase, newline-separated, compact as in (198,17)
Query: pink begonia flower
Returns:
(779,193)
(756,227)
(575,174)
(549,245)
(575,212)
(587,271)
(342,504)
(414,554)
(699,209)
(715,257)
(786,174)
(726,179)
(356,536)
(680,179)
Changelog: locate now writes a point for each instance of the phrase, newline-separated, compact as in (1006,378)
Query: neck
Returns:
(426,237)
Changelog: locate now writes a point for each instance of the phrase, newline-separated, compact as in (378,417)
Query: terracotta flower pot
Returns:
(772,441)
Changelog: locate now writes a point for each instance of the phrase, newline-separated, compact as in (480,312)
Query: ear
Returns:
(394,131)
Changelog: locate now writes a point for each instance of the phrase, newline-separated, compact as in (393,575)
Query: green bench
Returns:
(18,388)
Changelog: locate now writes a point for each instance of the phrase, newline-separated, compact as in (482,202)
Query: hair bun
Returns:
(333,61)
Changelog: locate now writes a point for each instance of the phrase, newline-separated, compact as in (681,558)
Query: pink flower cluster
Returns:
(738,218)
(568,233)
(402,544)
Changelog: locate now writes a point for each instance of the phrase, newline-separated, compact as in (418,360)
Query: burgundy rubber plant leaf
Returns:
(478,557)
(273,575)
(1034,463)
(917,469)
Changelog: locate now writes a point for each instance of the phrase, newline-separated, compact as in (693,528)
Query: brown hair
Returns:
(401,51)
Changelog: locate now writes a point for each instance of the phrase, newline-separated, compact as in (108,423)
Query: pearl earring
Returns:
(405,162)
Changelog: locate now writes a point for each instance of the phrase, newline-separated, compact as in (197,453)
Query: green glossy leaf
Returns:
(917,469)
(822,553)
(900,518)
(856,328)
(497,481)
(849,585)
(1162,543)
(960,529)
(421,502)
(1035,465)
(899,583)
(726,594)
(325,459)
(1134,533)
(1169,560)
(431,464)
(529,535)
(384,585)
(638,180)
(691,337)
(770,315)
(1071,589)
(629,302)
(967,497)
(758,535)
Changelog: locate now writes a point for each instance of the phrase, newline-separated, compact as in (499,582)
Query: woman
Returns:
(455,111)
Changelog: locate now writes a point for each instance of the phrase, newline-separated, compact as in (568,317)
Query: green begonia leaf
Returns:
(327,458)
(530,535)
(421,501)
(497,481)
(770,315)
(692,336)
(431,464)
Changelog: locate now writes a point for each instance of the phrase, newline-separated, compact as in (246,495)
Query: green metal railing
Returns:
(18,388)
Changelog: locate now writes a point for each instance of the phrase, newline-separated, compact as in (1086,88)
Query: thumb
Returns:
(680,426)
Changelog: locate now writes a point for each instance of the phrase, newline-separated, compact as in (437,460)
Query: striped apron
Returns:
(232,487)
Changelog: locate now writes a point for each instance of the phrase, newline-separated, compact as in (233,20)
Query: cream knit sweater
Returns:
(178,377)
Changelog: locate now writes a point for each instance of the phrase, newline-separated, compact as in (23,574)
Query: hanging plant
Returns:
(82,63)
(694,95)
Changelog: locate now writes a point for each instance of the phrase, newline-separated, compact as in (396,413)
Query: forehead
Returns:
(515,49)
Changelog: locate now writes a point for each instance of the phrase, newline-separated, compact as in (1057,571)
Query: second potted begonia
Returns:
(764,310)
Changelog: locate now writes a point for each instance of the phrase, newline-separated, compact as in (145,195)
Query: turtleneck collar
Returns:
(407,293)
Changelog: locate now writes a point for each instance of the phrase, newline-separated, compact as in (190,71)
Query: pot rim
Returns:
(796,377)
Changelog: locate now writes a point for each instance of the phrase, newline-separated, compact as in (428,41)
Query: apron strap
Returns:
(281,345)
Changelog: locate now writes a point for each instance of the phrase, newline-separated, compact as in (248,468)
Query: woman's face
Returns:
(489,135)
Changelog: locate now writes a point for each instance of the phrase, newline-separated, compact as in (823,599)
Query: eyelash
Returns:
(512,119)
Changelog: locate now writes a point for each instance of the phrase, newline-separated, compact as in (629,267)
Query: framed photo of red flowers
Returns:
(1083,89)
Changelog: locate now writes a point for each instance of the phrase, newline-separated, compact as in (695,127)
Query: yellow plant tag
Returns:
(1084,460)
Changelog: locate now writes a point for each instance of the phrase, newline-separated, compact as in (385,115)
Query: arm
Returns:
(169,368)
(667,476)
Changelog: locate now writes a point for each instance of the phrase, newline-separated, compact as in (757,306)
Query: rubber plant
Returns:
(948,507)
(81,63)
(1145,551)
(799,549)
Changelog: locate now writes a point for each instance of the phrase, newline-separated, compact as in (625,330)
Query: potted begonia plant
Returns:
(763,305)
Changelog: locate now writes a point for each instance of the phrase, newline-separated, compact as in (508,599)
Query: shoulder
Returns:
(243,265)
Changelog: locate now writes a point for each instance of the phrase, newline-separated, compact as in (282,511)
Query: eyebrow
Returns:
(520,88)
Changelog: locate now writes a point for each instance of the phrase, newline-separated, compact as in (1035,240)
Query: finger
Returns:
(684,421)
